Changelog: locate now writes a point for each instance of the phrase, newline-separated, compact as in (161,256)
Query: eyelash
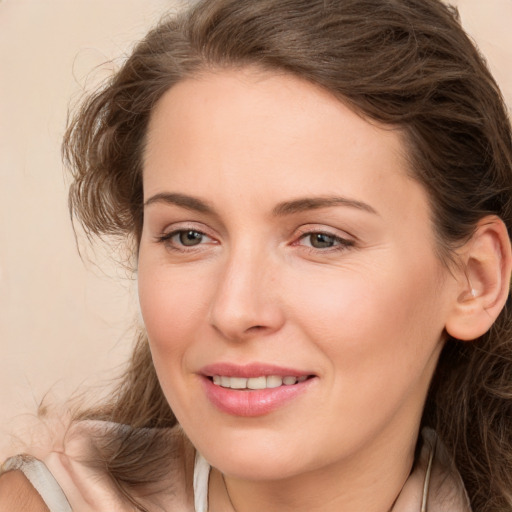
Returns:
(339,243)
(166,239)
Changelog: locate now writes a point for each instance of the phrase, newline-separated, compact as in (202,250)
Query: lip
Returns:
(250,370)
(252,403)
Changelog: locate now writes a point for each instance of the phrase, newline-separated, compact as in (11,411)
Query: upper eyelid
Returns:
(169,234)
(298,232)
(331,231)
(346,242)
(327,233)
(187,226)
(173,232)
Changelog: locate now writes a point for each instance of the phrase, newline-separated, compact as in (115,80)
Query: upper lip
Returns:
(250,370)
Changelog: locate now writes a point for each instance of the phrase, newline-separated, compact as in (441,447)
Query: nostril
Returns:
(256,330)
(236,316)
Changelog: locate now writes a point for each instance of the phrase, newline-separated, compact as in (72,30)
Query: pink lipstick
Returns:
(252,390)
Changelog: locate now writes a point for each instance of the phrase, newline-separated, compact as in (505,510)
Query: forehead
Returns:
(279,132)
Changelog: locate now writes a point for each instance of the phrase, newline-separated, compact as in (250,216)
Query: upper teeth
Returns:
(272,381)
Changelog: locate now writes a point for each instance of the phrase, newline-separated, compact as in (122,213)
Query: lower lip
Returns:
(250,403)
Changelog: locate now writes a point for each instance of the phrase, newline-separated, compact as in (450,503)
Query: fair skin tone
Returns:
(18,495)
(282,230)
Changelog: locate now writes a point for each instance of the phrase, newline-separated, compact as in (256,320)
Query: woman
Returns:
(318,196)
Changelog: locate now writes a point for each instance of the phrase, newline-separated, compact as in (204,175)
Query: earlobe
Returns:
(484,284)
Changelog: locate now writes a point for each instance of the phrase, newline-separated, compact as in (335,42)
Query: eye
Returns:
(189,238)
(320,240)
(184,238)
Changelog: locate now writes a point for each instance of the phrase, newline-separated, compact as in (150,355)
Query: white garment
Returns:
(67,484)
(45,484)
(43,481)
(201,477)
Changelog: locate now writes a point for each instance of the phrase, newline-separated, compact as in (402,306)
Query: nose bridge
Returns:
(245,300)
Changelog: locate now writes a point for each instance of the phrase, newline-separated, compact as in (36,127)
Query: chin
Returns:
(256,454)
(257,467)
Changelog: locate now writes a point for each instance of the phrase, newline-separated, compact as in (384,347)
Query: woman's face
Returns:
(286,249)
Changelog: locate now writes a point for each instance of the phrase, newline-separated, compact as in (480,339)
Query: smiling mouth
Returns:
(257,383)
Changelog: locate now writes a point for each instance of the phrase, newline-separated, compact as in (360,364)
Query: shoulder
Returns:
(18,495)
(75,458)
(155,466)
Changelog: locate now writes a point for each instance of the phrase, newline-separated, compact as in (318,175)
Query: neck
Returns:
(370,481)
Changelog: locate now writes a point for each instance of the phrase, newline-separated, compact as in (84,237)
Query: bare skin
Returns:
(229,160)
(18,495)
(281,228)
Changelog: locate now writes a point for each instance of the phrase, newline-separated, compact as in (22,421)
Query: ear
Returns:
(484,280)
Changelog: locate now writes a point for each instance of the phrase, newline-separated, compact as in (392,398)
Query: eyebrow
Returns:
(314,203)
(282,209)
(185,201)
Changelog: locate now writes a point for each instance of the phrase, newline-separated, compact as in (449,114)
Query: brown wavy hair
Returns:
(403,63)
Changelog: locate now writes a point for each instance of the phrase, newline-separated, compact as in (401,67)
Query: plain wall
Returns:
(64,323)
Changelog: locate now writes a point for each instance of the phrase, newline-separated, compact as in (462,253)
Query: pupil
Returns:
(321,241)
(190,237)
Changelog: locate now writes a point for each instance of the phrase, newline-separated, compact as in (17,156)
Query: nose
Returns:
(246,300)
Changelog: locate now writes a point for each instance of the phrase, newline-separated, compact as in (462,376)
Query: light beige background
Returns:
(64,323)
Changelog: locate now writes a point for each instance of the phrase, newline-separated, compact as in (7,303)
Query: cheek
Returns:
(171,305)
(374,325)
(351,303)
(172,302)
(379,336)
